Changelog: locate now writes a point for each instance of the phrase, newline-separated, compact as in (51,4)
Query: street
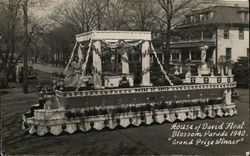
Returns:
(152,139)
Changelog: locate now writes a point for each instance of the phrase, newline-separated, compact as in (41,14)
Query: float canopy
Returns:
(114,35)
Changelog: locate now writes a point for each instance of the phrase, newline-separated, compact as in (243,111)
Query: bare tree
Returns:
(31,28)
(58,42)
(81,15)
(25,45)
(116,15)
(141,14)
(10,16)
(171,15)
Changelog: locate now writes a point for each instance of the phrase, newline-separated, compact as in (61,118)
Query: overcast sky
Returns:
(51,4)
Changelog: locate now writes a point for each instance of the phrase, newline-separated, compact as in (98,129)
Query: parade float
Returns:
(108,83)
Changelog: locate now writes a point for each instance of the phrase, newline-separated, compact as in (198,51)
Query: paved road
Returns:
(135,140)
(47,68)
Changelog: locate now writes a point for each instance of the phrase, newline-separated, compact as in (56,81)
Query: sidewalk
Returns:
(48,68)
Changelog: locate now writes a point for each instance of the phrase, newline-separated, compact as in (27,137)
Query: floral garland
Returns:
(159,63)
(95,70)
(145,71)
(146,53)
(121,44)
(145,108)
(71,57)
(96,50)
(124,58)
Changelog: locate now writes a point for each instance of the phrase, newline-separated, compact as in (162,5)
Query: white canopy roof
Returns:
(114,35)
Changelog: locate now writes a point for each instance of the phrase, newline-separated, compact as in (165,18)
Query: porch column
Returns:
(230,73)
(180,62)
(97,65)
(171,57)
(190,55)
(145,64)
(162,59)
(179,56)
(214,56)
(226,70)
(202,38)
(125,64)
(219,69)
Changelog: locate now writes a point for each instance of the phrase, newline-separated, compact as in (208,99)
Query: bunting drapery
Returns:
(159,63)
(71,57)
(121,43)
(84,65)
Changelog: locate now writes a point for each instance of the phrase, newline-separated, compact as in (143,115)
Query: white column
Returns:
(190,55)
(227,94)
(145,64)
(125,64)
(180,56)
(214,56)
(180,63)
(218,68)
(222,71)
(230,73)
(226,70)
(171,57)
(97,64)
(181,68)
(162,58)
(199,71)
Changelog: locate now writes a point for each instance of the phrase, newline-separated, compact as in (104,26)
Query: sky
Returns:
(236,0)
(51,4)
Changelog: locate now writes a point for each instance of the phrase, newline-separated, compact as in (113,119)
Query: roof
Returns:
(114,35)
(221,9)
(222,15)
(191,44)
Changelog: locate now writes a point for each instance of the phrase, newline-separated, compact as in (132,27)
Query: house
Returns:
(224,29)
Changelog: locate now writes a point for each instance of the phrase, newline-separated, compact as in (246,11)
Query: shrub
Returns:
(241,71)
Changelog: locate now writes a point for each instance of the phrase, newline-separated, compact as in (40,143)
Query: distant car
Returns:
(19,73)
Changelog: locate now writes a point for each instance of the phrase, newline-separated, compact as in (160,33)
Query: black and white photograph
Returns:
(124,77)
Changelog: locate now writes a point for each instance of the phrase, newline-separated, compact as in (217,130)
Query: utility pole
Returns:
(25,46)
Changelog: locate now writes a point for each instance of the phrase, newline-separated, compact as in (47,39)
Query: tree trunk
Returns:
(52,57)
(6,79)
(167,50)
(25,69)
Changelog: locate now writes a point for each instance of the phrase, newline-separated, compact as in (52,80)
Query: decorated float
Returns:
(108,84)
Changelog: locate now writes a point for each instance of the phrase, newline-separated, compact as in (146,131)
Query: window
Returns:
(246,17)
(195,35)
(241,33)
(205,16)
(248,53)
(201,17)
(228,53)
(207,35)
(211,14)
(194,19)
(242,16)
(191,19)
(175,56)
(195,54)
(226,33)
